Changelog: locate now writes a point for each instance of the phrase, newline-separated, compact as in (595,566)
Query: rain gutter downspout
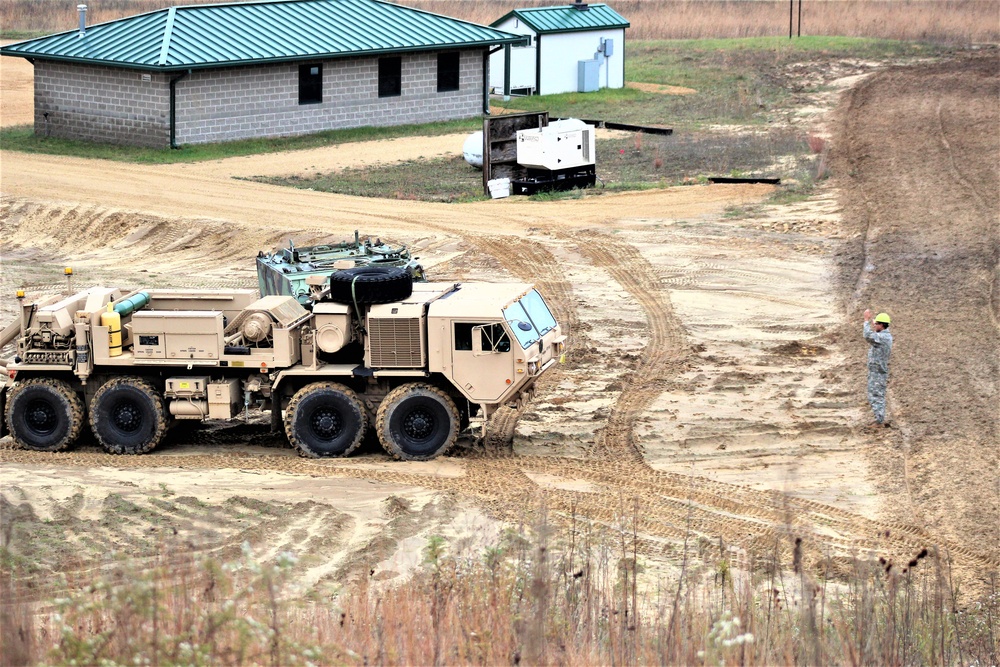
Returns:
(173,108)
(164,58)
(486,81)
(538,63)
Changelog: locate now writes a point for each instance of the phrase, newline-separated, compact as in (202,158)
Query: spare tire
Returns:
(370,284)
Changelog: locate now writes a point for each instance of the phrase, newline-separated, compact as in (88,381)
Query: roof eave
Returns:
(514,39)
(503,18)
(591,28)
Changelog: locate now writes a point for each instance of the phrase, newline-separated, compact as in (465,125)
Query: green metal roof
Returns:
(567,18)
(203,36)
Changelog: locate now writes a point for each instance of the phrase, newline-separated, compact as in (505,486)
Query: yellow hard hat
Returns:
(883,318)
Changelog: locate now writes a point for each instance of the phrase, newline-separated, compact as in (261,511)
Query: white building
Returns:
(571,48)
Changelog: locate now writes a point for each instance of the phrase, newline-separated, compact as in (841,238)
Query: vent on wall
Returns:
(395,343)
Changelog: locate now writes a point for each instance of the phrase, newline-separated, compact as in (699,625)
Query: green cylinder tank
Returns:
(132,304)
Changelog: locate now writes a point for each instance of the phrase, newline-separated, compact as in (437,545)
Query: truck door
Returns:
(482,360)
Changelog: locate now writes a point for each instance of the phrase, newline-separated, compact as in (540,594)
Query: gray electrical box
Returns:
(608,46)
(589,76)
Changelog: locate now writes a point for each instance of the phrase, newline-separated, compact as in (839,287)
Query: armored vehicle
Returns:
(416,362)
(286,270)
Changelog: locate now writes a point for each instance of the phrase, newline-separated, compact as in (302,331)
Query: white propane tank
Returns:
(472,150)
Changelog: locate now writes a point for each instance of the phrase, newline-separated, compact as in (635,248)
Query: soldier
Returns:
(879,348)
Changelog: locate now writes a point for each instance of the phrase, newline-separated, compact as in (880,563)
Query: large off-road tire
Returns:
(325,419)
(128,416)
(44,414)
(370,284)
(417,422)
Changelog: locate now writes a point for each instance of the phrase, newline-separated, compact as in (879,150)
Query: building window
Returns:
(448,69)
(310,84)
(390,77)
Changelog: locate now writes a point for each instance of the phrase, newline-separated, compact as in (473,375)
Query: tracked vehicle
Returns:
(287,270)
(418,362)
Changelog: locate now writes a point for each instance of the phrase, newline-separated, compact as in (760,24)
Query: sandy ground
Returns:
(716,372)
(17,81)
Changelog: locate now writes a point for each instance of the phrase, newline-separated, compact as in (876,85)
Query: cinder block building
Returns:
(210,73)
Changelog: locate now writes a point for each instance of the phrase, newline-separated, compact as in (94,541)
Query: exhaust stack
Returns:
(83,19)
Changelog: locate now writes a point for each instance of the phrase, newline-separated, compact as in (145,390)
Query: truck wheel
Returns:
(417,422)
(370,284)
(325,419)
(44,414)
(128,416)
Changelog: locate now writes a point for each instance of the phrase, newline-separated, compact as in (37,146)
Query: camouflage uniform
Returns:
(879,349)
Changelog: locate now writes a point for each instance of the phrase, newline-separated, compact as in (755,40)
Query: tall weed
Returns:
(552,592)
(946,21)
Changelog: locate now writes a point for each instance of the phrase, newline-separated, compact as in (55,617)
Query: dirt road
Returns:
(716,372)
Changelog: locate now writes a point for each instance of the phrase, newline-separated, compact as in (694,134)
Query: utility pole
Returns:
(791,18)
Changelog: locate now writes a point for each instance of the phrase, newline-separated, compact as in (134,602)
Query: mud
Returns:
(715,383)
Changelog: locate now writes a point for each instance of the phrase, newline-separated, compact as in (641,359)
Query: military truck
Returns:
(416,361)
(286,270)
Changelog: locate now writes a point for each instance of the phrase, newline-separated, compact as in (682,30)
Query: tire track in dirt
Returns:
(664,354)
(140,528)
(671,506)
(664,350)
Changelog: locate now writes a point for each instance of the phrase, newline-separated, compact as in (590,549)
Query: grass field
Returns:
(633,162)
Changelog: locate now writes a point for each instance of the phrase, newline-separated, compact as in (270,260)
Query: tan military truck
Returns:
(419,362)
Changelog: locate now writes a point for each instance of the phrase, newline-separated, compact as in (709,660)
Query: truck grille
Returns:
(395,343)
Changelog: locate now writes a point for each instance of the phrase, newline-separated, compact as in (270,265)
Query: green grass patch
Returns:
(738,81)
(442,179)
(21,35)
(635,162)
(22,138)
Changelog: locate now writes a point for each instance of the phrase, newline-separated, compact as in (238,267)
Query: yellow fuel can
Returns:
(113,321)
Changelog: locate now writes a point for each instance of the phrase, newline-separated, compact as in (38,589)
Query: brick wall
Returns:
(131,107)
(101,104)
(238,103)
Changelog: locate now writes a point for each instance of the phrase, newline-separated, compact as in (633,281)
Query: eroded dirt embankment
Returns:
(918,151)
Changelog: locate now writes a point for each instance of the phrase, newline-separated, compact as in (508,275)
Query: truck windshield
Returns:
(530,318)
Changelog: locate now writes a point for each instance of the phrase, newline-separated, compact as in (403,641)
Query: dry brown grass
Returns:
(960,21)
(948,21)
(576,595)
